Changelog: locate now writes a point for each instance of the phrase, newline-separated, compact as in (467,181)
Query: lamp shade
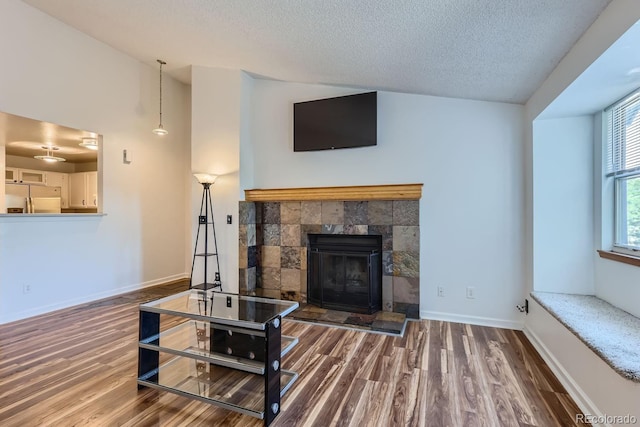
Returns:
(205,178)
(49,157)
(160,130)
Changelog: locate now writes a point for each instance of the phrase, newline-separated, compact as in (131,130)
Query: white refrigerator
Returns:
(32,198)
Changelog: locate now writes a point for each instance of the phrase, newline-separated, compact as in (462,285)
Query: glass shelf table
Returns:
(226,350)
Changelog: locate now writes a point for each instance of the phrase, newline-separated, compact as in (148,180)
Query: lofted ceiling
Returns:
(496,50)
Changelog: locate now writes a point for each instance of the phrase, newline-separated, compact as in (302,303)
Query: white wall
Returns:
(617,283)
(60,75)
(220,113)
(596,387)
(468,154)
(612,23)
(563,209)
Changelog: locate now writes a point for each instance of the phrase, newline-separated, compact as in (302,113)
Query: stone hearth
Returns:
(273,245)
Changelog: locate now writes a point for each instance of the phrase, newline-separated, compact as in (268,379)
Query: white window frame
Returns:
(618,168)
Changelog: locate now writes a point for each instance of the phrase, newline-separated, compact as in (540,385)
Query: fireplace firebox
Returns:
(345,272)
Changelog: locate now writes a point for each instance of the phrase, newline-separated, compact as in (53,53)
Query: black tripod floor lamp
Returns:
(206,247)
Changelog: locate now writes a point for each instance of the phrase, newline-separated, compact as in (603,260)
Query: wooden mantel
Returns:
(358,192)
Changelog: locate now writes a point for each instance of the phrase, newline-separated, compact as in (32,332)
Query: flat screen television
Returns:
(343,122)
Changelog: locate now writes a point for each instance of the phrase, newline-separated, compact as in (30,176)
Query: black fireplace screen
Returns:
(345,272)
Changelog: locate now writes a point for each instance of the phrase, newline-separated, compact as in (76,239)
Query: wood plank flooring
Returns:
(77,367)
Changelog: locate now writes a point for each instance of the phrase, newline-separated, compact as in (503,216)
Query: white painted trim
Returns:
(89,298)
(585,404)
(472,320)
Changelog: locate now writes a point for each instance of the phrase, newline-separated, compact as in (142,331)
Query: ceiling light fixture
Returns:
(90,143)
(160,130)
(50,157)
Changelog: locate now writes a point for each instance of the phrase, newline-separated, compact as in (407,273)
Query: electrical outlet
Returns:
(441,291)
(26,288)
(524,308)
(471,292)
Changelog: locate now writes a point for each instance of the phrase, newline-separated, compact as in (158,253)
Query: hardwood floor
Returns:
(78,367)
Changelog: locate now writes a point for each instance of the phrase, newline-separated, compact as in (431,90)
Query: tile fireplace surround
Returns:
(274,225)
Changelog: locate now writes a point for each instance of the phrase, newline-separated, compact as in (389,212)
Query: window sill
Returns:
(623,258)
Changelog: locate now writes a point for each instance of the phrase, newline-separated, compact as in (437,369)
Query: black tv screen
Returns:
(342,122)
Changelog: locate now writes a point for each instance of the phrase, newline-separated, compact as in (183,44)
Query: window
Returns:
(623,166)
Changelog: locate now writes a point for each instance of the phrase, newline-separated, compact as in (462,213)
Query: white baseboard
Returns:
(472,320)
(585,404)
(168,279)
(89,298)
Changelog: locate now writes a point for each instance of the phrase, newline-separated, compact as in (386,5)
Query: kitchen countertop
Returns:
(47,216)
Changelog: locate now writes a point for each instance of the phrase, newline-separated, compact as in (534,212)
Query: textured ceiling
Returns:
(498,50)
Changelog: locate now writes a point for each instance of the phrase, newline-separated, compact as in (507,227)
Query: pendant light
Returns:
(160,130)
(50,157)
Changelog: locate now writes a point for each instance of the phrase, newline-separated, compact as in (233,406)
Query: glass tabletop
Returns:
(219,307)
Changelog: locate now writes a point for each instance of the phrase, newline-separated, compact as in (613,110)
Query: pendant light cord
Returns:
(161,62)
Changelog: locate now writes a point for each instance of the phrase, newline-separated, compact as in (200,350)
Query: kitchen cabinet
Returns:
(83,190)
(10,174)
(25,176)
(228,352)
(92,188)
(59,179)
